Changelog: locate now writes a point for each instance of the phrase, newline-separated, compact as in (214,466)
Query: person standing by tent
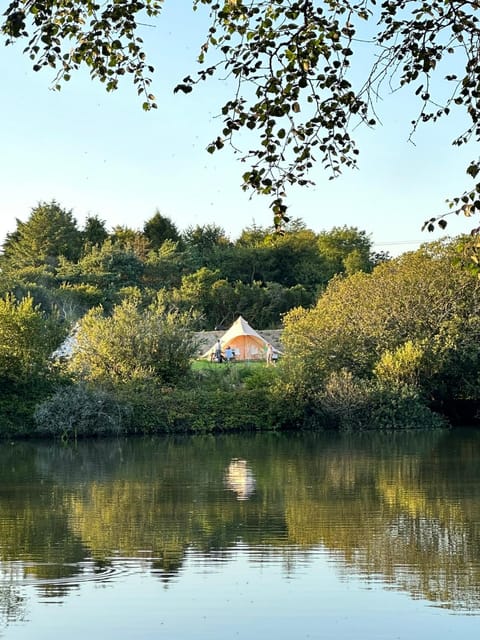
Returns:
(269,354)
(218,351)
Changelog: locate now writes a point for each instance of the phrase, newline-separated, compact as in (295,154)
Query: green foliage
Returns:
(400,366)
(203,245)
(355,261)
(345,249)
(218,302)
(262,377)
(454,359)
(66,35)
(50,232)
(195,291)
(365,322)
(164,267)
(131,241)
(213,399)
(352,404)
(39,283)
(40,276)
(261,276)
(132,344)
(253,236)
(109,266)
(229,377)
(294,68)
(205,238)
(17,406)
(158,229)
(206,411)
(301,108)
(27,338)
(403,332)
(77,411)
(74,300)
(299,257)
(94,231)
(306,104)
(293,259)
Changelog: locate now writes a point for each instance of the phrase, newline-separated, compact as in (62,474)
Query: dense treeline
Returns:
(260,275)
(369,341)
(139,295)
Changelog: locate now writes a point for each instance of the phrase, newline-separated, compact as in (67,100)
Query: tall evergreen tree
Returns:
(94,232)
(160,228)
(49,232)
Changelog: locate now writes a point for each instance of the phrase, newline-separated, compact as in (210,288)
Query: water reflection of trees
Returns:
(400,507)
(12,603)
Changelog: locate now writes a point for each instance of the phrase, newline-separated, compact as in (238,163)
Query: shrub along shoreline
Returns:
(224,398)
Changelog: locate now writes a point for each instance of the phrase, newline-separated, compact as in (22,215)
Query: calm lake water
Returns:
(282,536)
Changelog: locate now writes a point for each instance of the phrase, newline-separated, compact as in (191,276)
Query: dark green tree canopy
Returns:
(95,232)
(261,275)
(49,232)
(205,237)
(343,248)
(160,228)
(295,67)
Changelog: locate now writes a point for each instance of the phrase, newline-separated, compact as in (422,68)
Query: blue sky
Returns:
(99,153)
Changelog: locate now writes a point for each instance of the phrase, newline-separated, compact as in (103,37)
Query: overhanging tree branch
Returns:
(297,68)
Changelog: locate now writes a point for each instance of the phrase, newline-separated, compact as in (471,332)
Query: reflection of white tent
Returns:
(246,343)
(240,479)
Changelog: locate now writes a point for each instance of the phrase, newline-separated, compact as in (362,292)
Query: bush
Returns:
(401,366)
(262,377)
(348,403)
(77,411)
(16,416)
(132,343)
(18,403)
(252,375)
(204,411)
